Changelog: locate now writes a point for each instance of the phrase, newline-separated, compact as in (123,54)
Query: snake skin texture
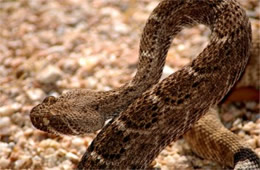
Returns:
(205,135)
(150,117)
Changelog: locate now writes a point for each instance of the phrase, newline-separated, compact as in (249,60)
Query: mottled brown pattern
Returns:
(209,132)
(150,117)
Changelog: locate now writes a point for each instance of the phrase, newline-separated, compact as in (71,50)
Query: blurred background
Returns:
(48,47)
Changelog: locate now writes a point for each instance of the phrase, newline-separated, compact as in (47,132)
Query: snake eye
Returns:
(49,100)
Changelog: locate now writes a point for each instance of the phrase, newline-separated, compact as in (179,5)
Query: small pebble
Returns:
(49,75)
(78,142)
(64,51)
(4,163)
(36,94)
(252,143)
(19,163)
(9,109)
(4,122)
(72,157)
(249,126)
(49,143)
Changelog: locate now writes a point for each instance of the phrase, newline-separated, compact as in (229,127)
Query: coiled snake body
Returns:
(150,117)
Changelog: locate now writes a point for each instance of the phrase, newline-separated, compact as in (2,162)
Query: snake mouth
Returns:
(42,118)
(46,117)
(40,115)
(38,118)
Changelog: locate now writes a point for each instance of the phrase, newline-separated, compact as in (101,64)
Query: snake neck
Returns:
(164,23)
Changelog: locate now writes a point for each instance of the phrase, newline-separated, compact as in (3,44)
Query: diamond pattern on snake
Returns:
(148,114)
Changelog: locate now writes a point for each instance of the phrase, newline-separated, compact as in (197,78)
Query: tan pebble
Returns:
(61,152)
(162,162)
(164,152)
(50,160)
(74,151)
(4,122)
(166,167)
(72,157)
(237,122)
(36,161)
(49,151)
(248,126)
(19,135)
(255,131)
(241,134)
(170,160)
(28,161)
(28,132)
(9,109)
(89,62)
(19,163)
(6,131)
(35,94)
(5,151)
(18,119)
(251,142)
(183,159)
(49,143)
(49,75)
(4,163)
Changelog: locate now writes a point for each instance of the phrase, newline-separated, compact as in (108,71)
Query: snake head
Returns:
(74,113)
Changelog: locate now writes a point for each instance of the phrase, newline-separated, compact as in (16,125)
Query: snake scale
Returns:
(147,115)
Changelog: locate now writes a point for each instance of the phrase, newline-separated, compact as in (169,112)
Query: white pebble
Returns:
(65,165)
(72,156)
(35,94)
(19,163)
(4,122)
(78,142)
(49,75)
(167,70)
(121,28)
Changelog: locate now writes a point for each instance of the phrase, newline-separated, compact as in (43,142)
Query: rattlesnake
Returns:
(150,117)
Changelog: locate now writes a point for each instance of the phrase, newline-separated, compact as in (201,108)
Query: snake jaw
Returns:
(39,118)
(66,115)
(40,114)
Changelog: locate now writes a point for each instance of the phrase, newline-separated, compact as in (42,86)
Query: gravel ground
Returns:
(48,47)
